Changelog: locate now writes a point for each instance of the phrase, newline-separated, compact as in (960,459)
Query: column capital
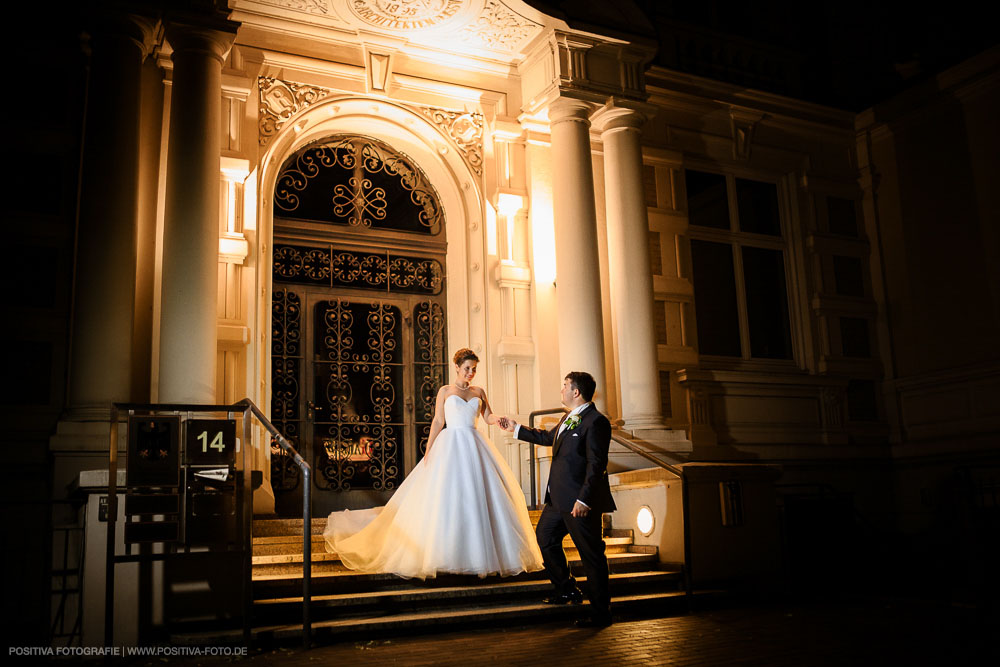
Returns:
(213,42)
(569,109)
(607,119)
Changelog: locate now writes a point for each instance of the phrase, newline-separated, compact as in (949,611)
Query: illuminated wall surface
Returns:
(313,204)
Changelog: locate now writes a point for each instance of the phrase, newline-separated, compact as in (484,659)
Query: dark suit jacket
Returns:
(579,468)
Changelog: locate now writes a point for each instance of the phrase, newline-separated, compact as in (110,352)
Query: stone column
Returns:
(578,276)
(188,345)
(101,363)
(631,275)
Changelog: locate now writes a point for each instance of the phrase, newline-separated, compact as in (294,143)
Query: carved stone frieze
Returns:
(279,101)
(464,129)
(317,7)
(406,14)
(497,27)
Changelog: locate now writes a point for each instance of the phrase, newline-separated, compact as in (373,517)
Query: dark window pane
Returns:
(665,406)
(655,258)
(649,185)
(767,303)
(848,276)
(660,323)
(854,340)
(707,202)
(758,207)
(715,298)
(861,405)
(842,216)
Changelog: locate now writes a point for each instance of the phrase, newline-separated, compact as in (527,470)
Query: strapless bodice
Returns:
(459,412)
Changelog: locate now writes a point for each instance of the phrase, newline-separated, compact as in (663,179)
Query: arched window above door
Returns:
(358,182)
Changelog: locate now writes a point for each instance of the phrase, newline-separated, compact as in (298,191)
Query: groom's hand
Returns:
(506,423)
(580,510)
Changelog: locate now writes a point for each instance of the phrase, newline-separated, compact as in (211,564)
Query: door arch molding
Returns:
(458,188)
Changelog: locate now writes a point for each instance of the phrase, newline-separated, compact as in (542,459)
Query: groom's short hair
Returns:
(584,383)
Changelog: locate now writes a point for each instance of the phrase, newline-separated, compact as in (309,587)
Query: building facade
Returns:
(312,204)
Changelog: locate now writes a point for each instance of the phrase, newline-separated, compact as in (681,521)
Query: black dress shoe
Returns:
(574,596)
(594,622)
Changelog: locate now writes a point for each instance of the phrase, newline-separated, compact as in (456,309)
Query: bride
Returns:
(460,510)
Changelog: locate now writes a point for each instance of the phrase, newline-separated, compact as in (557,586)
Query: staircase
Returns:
(352,604)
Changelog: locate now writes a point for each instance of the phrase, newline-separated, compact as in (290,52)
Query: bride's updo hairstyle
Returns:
(463,355)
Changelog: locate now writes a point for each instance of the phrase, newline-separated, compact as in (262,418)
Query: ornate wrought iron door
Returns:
(358,321)
(358,408)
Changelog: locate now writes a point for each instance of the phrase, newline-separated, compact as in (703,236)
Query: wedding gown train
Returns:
(460,510)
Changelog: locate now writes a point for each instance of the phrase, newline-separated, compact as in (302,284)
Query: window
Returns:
(738,266)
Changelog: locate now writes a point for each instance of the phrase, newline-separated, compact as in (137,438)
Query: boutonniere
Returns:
(572,422)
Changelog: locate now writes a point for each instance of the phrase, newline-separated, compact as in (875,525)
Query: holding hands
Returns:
(506,423)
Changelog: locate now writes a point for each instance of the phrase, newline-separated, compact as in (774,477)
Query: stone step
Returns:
(285,549)
(426,621)
(638,557)
(426,597)
(293,527)
(273,527)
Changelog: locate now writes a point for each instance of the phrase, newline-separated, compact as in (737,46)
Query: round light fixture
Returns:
(645,520)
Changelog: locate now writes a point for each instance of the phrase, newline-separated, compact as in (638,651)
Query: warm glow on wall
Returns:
(544,240)
(507,206)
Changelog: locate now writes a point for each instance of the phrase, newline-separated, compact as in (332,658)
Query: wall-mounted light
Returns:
(508,206)
(645,521)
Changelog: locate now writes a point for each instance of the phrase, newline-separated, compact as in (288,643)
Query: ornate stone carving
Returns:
(279,101)
(464,129)
(405,14)
(319,7)
(497,28)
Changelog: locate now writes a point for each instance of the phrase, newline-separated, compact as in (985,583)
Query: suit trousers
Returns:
(585,532)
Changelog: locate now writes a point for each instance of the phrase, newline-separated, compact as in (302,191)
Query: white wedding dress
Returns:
(460,510)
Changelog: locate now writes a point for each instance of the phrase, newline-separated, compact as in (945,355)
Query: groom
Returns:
(577,494)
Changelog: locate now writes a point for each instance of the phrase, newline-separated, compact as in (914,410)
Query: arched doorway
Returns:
(358,319)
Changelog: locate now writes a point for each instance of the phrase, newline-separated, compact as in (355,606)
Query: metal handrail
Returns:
(635,449)
(306,515)
(531,452)
(674,470)
(685,511)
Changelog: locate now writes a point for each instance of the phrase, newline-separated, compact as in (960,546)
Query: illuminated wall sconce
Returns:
(645,521)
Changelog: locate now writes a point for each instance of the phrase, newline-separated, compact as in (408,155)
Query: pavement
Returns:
(852,629)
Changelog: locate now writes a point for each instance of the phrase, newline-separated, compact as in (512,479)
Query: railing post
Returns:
(109,569)
(306,517)
(531,453)
(306,555)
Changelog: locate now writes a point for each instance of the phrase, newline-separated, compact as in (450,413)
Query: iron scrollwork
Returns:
(286,363)
(430,366)
(358,378)
(365,270)
(360,182)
